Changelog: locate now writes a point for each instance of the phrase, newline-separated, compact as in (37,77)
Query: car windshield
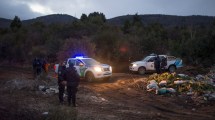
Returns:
(146,58)
(90,61)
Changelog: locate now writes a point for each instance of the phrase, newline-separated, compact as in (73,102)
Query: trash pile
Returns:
(183,84)
(48,89)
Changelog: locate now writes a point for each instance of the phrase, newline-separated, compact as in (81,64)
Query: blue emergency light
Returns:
(79,56)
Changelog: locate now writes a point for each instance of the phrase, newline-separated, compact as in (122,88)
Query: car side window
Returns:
(71,61)
(169,58)
(78,62)
(151,59)
(161,57)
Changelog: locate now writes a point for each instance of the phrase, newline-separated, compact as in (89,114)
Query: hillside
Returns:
(50,19)
(4,22)
(166,20)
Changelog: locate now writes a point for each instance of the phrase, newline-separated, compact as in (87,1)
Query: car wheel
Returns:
(172,68)
(90,77)
(142,70)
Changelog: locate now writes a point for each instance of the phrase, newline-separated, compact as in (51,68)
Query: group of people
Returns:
(68,78)
(160,64)
(39,65)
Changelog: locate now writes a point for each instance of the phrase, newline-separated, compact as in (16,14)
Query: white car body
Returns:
(148,63)
(86,66)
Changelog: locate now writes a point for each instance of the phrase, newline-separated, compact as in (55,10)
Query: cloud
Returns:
(72,7)
(37,8)
(9,9)
(27,9)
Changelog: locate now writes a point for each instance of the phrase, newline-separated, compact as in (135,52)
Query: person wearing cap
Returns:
(73,79)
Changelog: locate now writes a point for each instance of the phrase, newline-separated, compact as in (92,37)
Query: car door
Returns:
(150,64)
(77,66)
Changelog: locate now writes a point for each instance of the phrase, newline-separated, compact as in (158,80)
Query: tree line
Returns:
(91,35)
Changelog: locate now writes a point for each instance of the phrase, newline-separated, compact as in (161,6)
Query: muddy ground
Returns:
(118,99)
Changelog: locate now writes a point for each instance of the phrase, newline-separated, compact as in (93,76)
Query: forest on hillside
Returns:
(92,36)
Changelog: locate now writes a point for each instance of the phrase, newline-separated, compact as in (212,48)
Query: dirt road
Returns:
(118,99)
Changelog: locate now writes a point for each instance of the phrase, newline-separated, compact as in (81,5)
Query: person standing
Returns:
(37,67)
(73,80)
(163,64)
(157,63)
(61,81)
(45,65)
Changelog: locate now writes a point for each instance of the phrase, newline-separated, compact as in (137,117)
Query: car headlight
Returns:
(134,65)
(98,69)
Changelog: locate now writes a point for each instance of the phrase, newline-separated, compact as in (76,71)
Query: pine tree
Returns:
(16,23)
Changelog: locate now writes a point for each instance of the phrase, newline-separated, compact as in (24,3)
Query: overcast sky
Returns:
(28,9)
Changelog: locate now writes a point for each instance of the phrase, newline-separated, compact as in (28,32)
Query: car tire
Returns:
(172,68)
(142,70)
(90,77)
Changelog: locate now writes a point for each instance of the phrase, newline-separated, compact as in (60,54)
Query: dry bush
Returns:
(74,47)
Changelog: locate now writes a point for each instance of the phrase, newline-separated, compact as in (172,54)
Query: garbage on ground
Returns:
(209,96)
(183,75)
(49,90)
(42,87)
(165,90)
(200,77)
(45,113)
(152,86)
(190,93)
(180,83)
(171,90)
(152,82)
(161,91)
(163,83)
(97,99)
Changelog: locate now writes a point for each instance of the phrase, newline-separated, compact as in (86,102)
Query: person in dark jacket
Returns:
(73,80)
(163,64)
(61,81)
(157,63)
(37,66)
(45,65)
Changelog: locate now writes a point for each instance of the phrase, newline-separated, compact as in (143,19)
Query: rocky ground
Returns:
(124,97)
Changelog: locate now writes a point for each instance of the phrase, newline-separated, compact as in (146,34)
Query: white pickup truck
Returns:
(89,68)
(147,64)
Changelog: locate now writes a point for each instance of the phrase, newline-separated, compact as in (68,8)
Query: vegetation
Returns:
(113,44)
(16,23)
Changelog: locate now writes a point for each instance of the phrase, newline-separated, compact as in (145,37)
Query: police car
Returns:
(89,68)
(147,64)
